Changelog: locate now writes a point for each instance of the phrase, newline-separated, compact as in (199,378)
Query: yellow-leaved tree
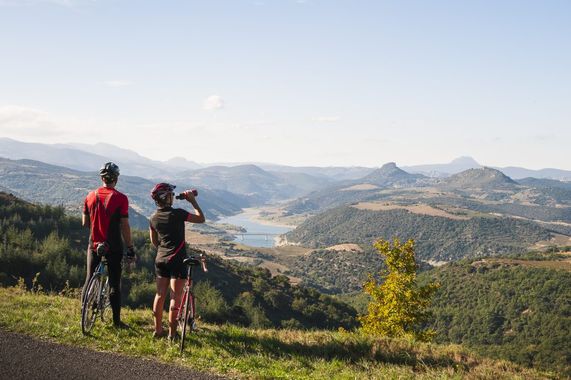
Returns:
(399,306)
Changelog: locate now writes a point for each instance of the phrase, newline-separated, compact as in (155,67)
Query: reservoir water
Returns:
(259,234)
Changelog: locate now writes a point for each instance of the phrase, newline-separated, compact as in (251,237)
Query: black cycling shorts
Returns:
(171,270)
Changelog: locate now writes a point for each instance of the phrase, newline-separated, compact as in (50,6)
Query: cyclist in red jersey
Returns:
(105,210)
(167,234)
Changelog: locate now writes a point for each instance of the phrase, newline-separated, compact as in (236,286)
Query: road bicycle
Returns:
(187,312)
(96,299)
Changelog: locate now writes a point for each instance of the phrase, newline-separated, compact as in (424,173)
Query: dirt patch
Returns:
(285,251)
(196,238)
(346,247)
(421,209)
(557,240)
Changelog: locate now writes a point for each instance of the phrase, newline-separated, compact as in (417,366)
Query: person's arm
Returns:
(85,215)
(126,232)
(125,227)
(199,216)
(154,237)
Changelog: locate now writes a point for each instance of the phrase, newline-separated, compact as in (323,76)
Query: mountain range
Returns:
(470,202)
(89,157)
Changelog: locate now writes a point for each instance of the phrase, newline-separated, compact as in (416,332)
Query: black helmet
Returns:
(109,172)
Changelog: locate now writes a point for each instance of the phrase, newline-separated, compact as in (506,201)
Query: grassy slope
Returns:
(246,353)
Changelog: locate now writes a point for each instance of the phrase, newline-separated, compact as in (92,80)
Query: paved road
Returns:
(22,357)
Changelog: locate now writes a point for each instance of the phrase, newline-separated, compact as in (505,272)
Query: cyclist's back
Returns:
(105,207)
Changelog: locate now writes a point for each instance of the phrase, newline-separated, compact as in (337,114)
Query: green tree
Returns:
(399,305)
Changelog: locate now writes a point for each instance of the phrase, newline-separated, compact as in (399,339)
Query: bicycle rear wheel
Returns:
(187,316)
(90,305)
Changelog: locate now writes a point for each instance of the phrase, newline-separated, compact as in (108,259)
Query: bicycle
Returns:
(96,299)
(187,312)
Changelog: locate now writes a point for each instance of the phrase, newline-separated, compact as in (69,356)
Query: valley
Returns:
(471,227)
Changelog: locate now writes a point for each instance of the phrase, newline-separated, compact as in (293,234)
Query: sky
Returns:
(295,82)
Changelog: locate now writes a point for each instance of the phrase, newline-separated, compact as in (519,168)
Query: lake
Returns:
(247,220)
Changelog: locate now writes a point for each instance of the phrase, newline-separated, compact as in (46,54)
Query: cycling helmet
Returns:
(109,172)
(161,190)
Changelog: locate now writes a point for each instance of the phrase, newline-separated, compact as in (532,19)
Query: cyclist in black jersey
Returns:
(167,234)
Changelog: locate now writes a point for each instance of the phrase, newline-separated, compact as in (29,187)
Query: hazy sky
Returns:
(299,82)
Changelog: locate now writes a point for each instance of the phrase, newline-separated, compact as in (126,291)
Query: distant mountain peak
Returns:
(388,174)
(465,161)
(389,166)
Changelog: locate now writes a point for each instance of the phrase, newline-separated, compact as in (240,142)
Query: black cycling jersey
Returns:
(168,222)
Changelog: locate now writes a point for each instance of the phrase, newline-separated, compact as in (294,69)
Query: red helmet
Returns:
(161,190)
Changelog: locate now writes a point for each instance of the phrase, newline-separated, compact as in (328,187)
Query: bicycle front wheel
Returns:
(188,317)
(90,307)
(105,302)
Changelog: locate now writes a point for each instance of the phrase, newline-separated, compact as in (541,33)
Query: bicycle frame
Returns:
(187,310)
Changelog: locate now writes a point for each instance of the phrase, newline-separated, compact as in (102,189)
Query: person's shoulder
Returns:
(120,194)
(181,211)
(90,194)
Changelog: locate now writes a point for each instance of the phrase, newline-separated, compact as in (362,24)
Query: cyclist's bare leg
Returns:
(177,286)
(159,303)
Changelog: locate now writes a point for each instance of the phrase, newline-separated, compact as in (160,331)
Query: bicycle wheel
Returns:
(105,302)
(90,305)
(187,316)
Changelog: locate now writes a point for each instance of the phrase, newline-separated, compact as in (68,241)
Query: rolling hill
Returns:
(259,185)
(483,190)
(438,237)
(48,184)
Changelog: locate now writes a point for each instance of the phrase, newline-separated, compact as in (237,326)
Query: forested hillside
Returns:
(438,238)
(40,239)
(516,308)
(512,310)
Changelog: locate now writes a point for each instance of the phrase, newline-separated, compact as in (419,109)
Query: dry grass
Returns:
(421,209)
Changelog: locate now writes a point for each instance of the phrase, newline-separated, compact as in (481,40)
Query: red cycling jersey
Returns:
(105,211)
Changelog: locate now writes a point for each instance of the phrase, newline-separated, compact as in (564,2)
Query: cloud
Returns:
(213,103)
(29,122)
(117,83)
(326,119)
